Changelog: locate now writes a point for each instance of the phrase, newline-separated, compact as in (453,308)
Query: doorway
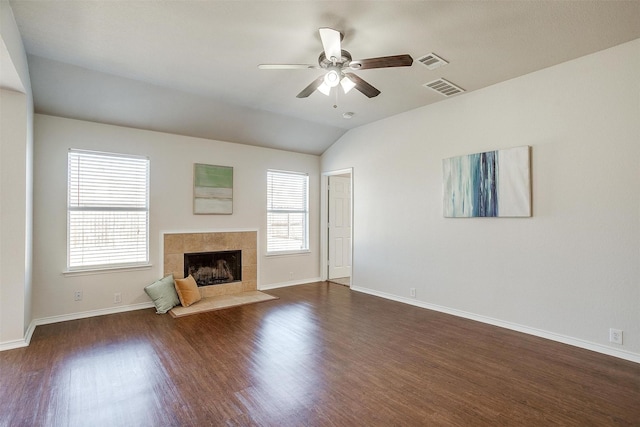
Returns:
(339,227)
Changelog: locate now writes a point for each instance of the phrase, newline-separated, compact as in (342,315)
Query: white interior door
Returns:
(339,226)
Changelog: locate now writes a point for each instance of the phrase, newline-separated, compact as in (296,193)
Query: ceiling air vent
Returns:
(432,61)
(444,87)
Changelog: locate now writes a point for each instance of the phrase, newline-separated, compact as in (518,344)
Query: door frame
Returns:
(324,221)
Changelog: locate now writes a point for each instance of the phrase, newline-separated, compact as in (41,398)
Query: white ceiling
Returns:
(190,67)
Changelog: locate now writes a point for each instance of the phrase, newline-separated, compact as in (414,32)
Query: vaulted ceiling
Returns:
(190,67)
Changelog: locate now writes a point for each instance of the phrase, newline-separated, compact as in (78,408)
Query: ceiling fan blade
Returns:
(311,88)
(382,62)
(363,86)
(331,43)
(287,66)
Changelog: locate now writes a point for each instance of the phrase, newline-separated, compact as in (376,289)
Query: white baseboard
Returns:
(291,283)
(30,330)
(93,313)
(10,345)
(24,342)
(576,342)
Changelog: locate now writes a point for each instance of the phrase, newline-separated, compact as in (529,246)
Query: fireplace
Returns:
(177,244)
(214,268)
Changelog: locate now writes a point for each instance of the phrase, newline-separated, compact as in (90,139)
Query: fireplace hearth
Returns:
(214,268)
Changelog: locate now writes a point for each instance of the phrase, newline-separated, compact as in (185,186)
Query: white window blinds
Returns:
(108,210)
(287,212)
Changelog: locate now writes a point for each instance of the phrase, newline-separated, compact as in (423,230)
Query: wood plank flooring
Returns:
(320,355)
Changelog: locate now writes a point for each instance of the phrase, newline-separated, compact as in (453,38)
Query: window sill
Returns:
(288,253)
(106,270)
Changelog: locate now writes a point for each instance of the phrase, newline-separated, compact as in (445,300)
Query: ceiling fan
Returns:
(338,63)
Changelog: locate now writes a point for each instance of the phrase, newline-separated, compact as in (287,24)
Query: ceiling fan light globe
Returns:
(347,84)
(324,89)
(332,78)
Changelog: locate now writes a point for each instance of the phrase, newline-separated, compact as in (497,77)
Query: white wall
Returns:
(16,144)
(12,216)
(571,271)
(172,158)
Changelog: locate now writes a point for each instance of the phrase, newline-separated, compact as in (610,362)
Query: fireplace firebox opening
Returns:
(214,268)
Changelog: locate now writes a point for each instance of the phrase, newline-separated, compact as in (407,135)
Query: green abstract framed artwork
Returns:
(212,189)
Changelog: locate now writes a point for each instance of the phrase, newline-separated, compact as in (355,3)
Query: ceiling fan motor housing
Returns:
(341,62)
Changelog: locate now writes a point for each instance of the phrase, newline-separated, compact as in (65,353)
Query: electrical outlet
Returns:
(77,295)
(291,275)
(412,292)
(117,298)
(615,336)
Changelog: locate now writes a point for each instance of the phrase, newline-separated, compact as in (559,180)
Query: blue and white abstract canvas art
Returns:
(490,184)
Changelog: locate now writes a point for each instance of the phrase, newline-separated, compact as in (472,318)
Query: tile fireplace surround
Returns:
(177,244)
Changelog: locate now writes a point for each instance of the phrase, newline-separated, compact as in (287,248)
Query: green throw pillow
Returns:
(163,294)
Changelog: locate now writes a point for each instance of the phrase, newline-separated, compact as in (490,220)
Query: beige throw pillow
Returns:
(188,291)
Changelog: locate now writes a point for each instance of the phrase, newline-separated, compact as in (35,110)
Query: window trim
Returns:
(306,249)
(101,270)
(105,268)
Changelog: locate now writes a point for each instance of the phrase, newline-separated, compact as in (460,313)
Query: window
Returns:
(287,212)
(107,210)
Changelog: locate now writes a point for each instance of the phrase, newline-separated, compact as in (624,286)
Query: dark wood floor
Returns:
(321,355)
